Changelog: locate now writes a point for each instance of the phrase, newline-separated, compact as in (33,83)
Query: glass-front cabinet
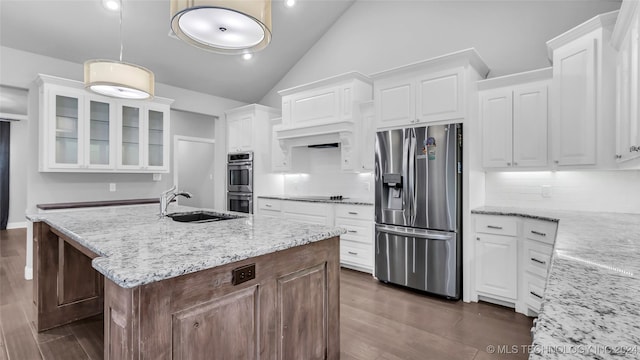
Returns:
(85,132)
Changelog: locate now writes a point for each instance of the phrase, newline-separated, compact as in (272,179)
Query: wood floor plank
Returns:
(64,348)
(90,335)
(17,334)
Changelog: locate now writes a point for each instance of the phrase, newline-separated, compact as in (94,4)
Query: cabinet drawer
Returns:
(269,204)
(362,212)
(306,208)
(270,213)
(494,224)
(537,257)
(357,230)
(358,254)
(540,230)
(534,291)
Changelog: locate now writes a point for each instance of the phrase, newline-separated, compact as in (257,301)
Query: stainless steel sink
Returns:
(201,216)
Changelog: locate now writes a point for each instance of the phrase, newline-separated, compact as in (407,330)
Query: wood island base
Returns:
(290,310)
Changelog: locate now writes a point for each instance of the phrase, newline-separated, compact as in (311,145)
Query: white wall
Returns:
(19,69)
(613,191)
(373,36)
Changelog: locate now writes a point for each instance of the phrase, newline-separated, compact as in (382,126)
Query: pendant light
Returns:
(117,78)
(231,27)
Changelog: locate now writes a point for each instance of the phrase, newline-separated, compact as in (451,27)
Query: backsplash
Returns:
(322,176)
(611,191)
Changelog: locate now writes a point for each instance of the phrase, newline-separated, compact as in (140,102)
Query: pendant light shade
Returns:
(223,26)
(118,79)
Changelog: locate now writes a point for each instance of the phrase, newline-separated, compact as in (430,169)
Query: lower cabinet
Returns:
(512,258)
(356,246)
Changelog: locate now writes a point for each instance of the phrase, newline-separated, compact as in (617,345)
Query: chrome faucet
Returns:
(167,197)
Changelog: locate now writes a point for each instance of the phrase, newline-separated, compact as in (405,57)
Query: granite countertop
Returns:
(349,201)
(136,247)
(591,306)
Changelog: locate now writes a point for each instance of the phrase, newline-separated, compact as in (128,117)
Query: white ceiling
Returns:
(80,30)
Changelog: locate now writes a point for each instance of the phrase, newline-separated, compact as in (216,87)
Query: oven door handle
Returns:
(240,195)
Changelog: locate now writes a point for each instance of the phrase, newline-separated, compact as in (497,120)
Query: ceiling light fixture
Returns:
(223,26)
(112,5)
(117,78)
(290,3)
(247,56)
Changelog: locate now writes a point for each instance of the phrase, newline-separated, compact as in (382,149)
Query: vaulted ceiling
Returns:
(80,30)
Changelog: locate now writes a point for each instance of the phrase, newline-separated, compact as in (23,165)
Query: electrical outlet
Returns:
(157,177)
(367,186)
(112,187)
(545,191)
(243,274)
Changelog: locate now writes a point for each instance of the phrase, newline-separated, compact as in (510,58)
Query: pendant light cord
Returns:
(121,45)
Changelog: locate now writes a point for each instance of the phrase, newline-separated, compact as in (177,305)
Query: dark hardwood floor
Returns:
(378,321)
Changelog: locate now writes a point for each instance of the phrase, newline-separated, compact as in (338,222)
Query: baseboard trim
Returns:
(16,225)
(28,273)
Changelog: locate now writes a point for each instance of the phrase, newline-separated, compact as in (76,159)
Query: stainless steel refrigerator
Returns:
(417,203)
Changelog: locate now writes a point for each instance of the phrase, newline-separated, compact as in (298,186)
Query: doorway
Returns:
(194,160)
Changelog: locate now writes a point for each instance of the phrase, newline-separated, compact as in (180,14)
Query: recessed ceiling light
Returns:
(113,5)
(290,3)
(247,56)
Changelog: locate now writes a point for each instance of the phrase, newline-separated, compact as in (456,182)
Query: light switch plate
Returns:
(112,187)
(157,177)
(545,191)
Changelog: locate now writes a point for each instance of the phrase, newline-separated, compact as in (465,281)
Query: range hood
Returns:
(317,135)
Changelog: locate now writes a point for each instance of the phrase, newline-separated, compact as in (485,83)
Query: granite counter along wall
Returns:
(592,294)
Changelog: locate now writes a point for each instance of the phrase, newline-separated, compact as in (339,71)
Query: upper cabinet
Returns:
(626,40)
(583,97)
(514,116)
(328,112)
(84,132)
(249,129)
(429,91)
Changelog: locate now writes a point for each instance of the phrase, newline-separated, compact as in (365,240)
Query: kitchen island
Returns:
(249,287)
(592,293)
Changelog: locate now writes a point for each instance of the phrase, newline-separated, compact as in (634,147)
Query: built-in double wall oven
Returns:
(240,182)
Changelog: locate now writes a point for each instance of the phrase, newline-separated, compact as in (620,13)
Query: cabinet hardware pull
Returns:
(478,238)
(352,231)
(508,164)
(515,164)
(267,205)
(494,227)
(534,294)
(538,261)
(634,148)
(538,233)
(353,213)
(352,253)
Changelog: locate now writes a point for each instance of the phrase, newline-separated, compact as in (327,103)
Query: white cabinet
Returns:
(356,246)
(430,91)
(496,258)
(514,115)
(240,134)
(308,212)
(270,207)
(280,158)
(84,132)
(582,101)
(144,133)
(249,129)
(512,259)
(626,40)
(367,136)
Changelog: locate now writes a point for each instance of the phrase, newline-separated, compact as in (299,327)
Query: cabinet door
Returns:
(101,132)
(395,102)
(496,110)
(156,157)
(439,96)
(574,103)
(130,133)
(530,125)
(367,136)
(496,265)
(240,133)
(66,129)
(316,107)
(628,96)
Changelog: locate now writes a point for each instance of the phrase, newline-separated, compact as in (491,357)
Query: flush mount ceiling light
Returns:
(223,26)
(117,78)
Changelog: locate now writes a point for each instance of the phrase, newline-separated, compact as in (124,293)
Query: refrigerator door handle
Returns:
(415,233)
(406,202)
(412,177)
